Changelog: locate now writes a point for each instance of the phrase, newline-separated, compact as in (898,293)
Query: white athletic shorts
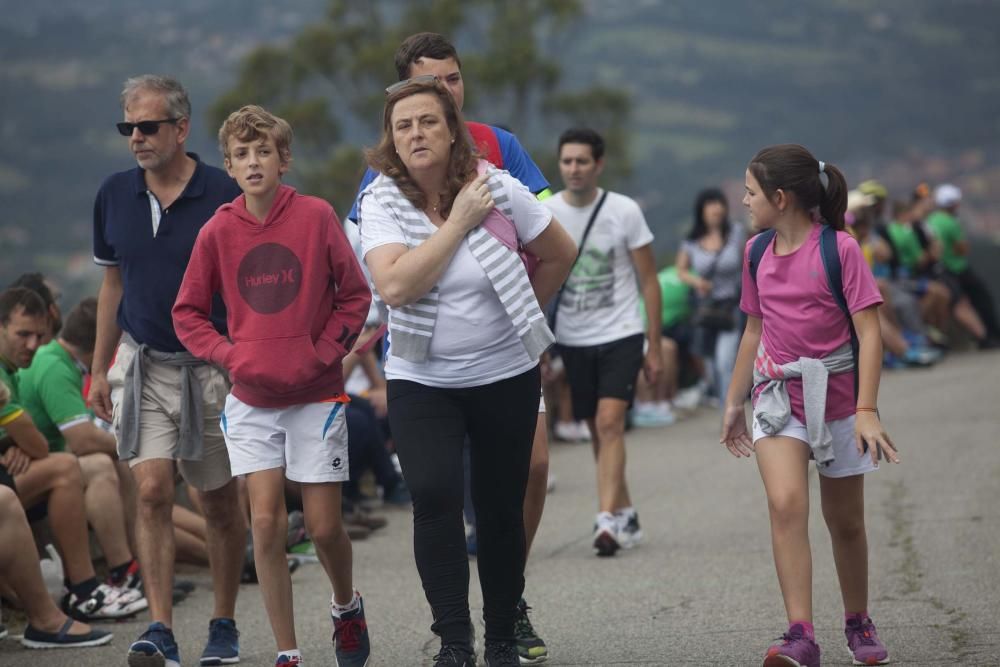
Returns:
(846,460)
(309,441)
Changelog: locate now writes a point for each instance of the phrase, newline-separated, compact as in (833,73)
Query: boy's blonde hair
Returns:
(254,122)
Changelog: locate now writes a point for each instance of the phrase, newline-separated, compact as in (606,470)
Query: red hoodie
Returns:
(295,297)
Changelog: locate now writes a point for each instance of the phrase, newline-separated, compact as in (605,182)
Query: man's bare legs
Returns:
(607,430)
(104,507)
(58,479)
(226,541)
(155,535)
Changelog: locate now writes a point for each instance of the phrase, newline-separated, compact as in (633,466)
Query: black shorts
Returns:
(36,513)
(601,371)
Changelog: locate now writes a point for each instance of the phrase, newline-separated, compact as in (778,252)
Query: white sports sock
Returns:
(338,610)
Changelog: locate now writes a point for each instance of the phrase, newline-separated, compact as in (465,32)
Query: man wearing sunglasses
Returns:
(164,403)
(428,55)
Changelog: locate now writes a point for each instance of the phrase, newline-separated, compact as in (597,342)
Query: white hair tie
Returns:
(823,178)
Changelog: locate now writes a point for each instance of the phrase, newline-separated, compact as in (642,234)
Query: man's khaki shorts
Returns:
(160,418)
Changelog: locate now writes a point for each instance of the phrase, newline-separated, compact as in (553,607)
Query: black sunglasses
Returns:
(146,127)
(423,78)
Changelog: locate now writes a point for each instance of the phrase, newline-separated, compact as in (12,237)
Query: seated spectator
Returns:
(51,390)
(915,265)
(654,404)
(48,627)
(904,344)
(37,283)
(45,482)
(944,226)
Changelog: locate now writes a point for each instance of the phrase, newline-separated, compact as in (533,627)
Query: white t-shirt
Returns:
(474,342)
(600,302)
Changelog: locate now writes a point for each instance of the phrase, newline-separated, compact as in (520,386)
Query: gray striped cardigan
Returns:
(411,326)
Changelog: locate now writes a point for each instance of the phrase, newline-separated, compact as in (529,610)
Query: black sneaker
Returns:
(35,638)
(501,654)
(455,655)
(530,647)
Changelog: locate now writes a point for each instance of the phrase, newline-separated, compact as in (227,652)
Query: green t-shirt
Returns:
(675,295)
(13,409)
(906,244)
(948,231)
(52,393)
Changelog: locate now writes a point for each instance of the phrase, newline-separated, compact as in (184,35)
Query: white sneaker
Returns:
(564,431)
(582,432)
(132,599)
(103,603)
(629,532)
(689,399)
(606,534)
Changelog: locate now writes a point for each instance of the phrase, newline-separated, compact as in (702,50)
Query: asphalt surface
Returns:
(701,589)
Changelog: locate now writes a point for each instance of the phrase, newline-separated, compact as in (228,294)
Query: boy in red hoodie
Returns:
(296,300)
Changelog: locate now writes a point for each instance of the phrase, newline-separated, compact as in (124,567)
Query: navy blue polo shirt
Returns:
(152,266)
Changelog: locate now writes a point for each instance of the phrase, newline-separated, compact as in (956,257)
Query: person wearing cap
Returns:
(903,331)
(944,225)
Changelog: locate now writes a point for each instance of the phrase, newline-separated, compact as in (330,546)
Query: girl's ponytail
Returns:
(833,205)
(815,184)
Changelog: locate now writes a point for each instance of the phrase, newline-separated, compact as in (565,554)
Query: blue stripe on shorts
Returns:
(331,417)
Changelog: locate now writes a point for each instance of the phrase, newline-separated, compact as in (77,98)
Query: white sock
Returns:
(338,610)
(291,654)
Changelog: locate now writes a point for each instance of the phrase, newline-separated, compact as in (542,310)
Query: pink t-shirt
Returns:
(800,316)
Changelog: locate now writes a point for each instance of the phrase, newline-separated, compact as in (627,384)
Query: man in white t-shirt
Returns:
(599,327)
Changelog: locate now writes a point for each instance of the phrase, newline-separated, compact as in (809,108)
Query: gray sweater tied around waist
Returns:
(192,427)
(773,407)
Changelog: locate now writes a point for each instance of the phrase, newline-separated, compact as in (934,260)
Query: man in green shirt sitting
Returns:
(44,482)
(946,228)
(51,390)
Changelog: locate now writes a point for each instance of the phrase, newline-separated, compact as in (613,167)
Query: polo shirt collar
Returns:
(194,188)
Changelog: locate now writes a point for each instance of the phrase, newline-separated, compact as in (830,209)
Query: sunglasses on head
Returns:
(146,127)
(423,78)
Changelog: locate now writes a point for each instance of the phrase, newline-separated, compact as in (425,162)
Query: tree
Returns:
(328,81)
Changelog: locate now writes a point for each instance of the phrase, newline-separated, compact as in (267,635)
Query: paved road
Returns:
(702,589)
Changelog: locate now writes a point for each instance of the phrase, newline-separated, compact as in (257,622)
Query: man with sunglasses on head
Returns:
(431,56)
(164,403)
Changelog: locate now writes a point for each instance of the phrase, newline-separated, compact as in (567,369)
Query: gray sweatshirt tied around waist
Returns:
(773,407)
(192,428)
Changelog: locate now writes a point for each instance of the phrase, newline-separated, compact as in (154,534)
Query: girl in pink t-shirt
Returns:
(793,316)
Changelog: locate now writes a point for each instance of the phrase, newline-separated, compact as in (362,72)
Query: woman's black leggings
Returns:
(429,425)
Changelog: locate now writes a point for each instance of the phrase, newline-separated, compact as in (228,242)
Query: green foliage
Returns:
(328,80)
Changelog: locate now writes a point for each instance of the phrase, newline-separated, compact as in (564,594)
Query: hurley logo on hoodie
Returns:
(269,278)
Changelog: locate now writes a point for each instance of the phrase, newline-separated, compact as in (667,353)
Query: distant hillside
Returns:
(903,91)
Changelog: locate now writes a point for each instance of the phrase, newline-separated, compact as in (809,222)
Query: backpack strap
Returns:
(835,277)
(486,142)
(760,243)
